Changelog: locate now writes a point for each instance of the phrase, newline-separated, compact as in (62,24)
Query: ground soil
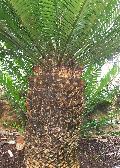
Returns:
(11,156)
(91,153)
(11,141)
(8,118)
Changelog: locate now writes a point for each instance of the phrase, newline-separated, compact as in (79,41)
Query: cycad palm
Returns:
(57,37)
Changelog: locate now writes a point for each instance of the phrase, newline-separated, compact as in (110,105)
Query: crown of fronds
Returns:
(84,30)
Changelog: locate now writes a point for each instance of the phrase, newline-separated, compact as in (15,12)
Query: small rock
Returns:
(10,153)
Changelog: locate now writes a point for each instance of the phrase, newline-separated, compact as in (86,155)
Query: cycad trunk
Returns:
(54,107)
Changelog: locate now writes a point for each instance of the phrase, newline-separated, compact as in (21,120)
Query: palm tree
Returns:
(58,38)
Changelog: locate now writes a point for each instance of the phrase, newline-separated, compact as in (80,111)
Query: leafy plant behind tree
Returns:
(15,83)
(97,91)
(99,100)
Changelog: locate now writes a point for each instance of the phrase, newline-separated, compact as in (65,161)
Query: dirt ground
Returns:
(102,152)
(92,153)
(11,141)
(8,118)
(11,150)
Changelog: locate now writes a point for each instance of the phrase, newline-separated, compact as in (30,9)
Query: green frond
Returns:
(91,41)
(13,33)
(39,18)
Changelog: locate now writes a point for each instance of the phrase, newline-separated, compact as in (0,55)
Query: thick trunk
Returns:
(54,107)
